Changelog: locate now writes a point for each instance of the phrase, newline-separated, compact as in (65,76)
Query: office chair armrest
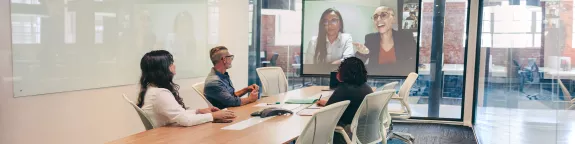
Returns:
(341,130)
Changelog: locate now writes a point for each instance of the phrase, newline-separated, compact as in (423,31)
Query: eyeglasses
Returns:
(332,22)
(230,56)
(383,15)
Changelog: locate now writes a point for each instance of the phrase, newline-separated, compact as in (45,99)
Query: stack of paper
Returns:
(301,101)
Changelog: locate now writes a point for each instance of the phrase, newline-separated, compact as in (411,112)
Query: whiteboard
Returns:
(68,45)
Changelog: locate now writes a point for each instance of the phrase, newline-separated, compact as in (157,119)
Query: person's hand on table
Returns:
(223,116)
(321,102)
(253,96)
(207,110)
(214,109)
(223,121)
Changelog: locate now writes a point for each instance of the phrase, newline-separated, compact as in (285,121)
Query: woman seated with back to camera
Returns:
(159,97)
(353,87)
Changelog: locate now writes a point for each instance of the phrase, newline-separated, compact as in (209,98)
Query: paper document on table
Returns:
(314,106)
(261,105)
(246,123)
(307,112)
(301,101)
(324,94)
(284,106)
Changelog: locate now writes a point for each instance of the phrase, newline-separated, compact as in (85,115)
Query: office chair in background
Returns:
(367,125)
(319,129)
(385,116)
(274,59)
(403,96)
(273,80)
(145,120)
(528,76)
(567,95)
(199,88)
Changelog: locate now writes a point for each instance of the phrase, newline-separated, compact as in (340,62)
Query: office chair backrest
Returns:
(145,120)
(273,80)
(390,86)
(199,88)
(274,59)
(367,123)
(406,86)
(319,130)
(566,93)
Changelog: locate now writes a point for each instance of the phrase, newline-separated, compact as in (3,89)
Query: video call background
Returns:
(357,19)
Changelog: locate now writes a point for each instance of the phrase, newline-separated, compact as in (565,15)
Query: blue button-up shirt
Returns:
(219,90)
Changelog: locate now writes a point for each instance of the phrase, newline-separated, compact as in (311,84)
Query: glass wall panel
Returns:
(280,40)
(525,73)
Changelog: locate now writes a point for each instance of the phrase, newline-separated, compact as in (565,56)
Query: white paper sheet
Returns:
(246,123)
(323,94)
(307,112)
(314,106)
(284,106)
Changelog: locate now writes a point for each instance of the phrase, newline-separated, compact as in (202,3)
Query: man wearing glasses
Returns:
(219,89)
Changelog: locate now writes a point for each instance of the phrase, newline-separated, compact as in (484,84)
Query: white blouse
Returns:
(163,109)
(340,49)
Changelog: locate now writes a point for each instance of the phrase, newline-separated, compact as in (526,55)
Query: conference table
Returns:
(278,129)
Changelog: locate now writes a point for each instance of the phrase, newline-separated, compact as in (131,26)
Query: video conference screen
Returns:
(383,33)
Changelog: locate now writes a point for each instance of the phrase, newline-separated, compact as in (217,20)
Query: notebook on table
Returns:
(301,101)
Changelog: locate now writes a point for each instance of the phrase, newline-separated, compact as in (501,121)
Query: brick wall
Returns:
(453,31)
(267,44)
(501,55)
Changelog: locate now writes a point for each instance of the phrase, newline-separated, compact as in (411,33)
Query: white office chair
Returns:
(199,88)
(389,86)
(571,104)
(273,80)
(386,117)
(367,126)
(319,130)
(145,120)
(402,97)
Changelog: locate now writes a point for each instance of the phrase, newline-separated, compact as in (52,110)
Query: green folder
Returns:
(301,101)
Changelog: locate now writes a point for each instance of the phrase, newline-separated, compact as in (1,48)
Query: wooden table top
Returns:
(280,129)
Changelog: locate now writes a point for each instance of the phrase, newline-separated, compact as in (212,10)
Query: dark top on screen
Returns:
(355,94)
(405,54)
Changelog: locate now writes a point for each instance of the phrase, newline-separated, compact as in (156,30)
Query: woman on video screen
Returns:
(331,45)
(388,46)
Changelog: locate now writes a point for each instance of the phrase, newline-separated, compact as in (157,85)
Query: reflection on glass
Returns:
(519,96)
(65,45)
(26,1)
(70,26)
(26,29)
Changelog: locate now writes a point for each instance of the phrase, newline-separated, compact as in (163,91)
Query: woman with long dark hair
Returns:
(353,77)
(159,97)
(331,45)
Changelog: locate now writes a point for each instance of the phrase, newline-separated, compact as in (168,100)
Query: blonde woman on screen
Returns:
(159,97)
(389,48)
(331,45)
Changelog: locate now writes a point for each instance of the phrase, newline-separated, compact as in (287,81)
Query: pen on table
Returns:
(273,103)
